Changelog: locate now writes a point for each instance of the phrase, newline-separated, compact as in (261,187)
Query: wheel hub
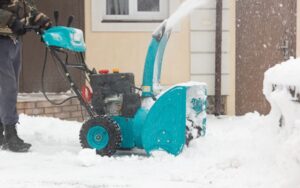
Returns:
(97,137)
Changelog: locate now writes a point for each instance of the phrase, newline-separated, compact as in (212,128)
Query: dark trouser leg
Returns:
(9,74)
(10,65)
(1,134)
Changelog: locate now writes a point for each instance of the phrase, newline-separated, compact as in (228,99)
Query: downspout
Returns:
(218,58)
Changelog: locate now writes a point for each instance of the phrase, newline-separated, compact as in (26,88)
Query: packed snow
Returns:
(282,90)
(249,151)
(286,73)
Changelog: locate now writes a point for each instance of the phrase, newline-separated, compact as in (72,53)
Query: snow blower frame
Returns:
(121,117)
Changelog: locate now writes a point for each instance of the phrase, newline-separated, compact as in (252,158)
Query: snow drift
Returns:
(247,152)
(282,90)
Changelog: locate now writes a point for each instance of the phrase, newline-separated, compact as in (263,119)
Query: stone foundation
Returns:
(211,105)
(37,105)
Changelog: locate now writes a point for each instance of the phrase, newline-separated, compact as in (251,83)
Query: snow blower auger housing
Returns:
(122,116)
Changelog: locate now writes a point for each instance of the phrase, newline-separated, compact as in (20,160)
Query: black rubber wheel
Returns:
(102,134)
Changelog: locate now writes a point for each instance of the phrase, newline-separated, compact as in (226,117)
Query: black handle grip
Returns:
(70,20)
(56,17)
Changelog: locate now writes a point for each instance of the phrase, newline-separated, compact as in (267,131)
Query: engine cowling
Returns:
(114,94)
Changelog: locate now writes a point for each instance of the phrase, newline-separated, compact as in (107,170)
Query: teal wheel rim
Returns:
(97,137)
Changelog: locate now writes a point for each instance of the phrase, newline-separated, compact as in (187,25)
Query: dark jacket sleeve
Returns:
(5,17)
(8,12)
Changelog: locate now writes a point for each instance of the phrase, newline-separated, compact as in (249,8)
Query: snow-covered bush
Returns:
(282,90)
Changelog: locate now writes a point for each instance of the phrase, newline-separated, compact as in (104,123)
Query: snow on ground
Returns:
(238,152)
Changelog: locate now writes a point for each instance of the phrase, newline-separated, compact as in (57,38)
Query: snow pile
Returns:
(248,152)
(282,90)
(286,73)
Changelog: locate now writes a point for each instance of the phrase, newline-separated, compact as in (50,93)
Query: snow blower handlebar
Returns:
(34,28)
(59,41)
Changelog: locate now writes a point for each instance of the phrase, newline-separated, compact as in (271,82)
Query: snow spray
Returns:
(184,9)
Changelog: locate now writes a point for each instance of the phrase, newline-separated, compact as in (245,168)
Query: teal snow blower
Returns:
(123,116)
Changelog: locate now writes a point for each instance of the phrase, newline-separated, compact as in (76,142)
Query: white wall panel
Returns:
(205,41)
(205,63)
(202,27)
(205,19)
(210,81)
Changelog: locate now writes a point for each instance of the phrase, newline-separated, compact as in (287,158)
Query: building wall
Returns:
(202,49)
(127,51)
(266,36)
(231,101)
(298,30)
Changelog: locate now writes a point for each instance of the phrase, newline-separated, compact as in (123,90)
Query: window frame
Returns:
(135,15)
(99,24)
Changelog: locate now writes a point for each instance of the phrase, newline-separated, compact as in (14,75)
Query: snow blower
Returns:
(121,115)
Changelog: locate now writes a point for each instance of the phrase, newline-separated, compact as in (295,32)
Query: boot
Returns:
(1,134)
(12,142)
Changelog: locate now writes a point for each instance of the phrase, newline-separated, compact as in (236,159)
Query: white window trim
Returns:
(98,13)
(135,15)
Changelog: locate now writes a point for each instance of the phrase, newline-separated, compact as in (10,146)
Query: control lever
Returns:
(56,17)
(70,20)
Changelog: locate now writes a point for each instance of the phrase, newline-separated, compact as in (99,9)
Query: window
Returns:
(148,6)
(130,15)
(135,10)
(117,7)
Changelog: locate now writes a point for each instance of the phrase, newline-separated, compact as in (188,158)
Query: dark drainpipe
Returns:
(218,58)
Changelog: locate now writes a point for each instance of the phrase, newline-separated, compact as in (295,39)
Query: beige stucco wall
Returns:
(232,81)
(127,51)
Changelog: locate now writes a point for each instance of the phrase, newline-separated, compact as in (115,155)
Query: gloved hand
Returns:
(42,21)
(18,27)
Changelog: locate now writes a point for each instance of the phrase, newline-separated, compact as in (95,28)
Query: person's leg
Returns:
(7,86)
(8,82)
(9,74)
(1,134)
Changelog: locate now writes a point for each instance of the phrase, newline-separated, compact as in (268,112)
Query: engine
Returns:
(114,94)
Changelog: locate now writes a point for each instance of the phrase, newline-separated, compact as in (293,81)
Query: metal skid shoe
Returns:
(101,133)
